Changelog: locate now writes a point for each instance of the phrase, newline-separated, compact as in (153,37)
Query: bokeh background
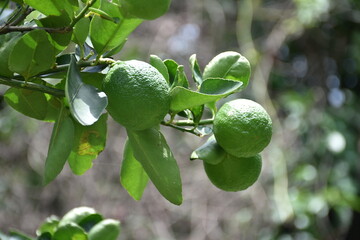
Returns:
(305,57)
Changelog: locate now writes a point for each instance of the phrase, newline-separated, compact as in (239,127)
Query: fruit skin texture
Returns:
(234,174)
(138,94)
(147,9)
(242,128)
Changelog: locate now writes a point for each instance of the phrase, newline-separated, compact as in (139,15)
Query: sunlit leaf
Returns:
(30,103)
(32,54)
(105,34)
(89,141)
(195,69)
(60,40)
(54,7)
(76,215)
(157,63)
(229,65)
(132,175)
(210,152)
(49,226)
(151,150)
(210,90)
(172,67)
(86,102)
(70,231)
(180,78)
(108,229)
(81,31)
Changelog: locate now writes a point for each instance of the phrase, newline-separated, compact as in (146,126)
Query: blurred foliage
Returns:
(306,70)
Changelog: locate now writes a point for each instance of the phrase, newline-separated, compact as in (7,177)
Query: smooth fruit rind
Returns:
(147,9)
(234,174)
(242,128)
(138,95)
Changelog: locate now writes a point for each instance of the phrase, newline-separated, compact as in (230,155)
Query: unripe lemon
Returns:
(242,128)
(234,174)
(147,9)
(138,94)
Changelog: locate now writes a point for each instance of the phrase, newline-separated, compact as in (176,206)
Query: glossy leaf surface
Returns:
(86,102)
(151,150)
(132,175)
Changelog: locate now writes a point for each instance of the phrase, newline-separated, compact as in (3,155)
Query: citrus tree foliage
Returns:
(80,223)
(57,58)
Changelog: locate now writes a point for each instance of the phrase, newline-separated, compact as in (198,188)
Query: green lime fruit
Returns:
(229,65)
(234,174)
(138,95)
(147,9)
(242,128)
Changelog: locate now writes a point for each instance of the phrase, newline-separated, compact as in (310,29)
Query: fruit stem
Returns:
(192,131)
(31,86)
(81,13)
(191,123)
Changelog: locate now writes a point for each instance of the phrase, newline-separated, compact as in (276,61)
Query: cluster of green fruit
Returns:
(140,96)
(232,160)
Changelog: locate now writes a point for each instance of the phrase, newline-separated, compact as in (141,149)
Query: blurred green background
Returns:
(305,57)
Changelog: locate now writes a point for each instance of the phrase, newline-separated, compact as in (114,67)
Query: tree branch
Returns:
(192,131)
(32,86)
(190,123)
(7,28)
(82,13)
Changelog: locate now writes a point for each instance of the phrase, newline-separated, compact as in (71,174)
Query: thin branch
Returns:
(181,129)
(82,13)
(191,123)
(32,86)
(7,29)
(25,12)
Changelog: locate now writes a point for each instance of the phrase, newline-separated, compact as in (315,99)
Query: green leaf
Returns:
(49,226)
(30,103)
(54,7)
(32,54)
(45,236)
(90,221)
(93,78)
(61,143)
(16,235)
(81,31)
(132,175)
(151,150)
(180,78)
(157,63)
(89,141)
(210,152)
(76,215)
(197,113)
(210,90)
(107,229)
(86,102)
(229,65)
(60,40)
(70,231)
(172,67)
(106,35)
(7,43)
(195,70)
